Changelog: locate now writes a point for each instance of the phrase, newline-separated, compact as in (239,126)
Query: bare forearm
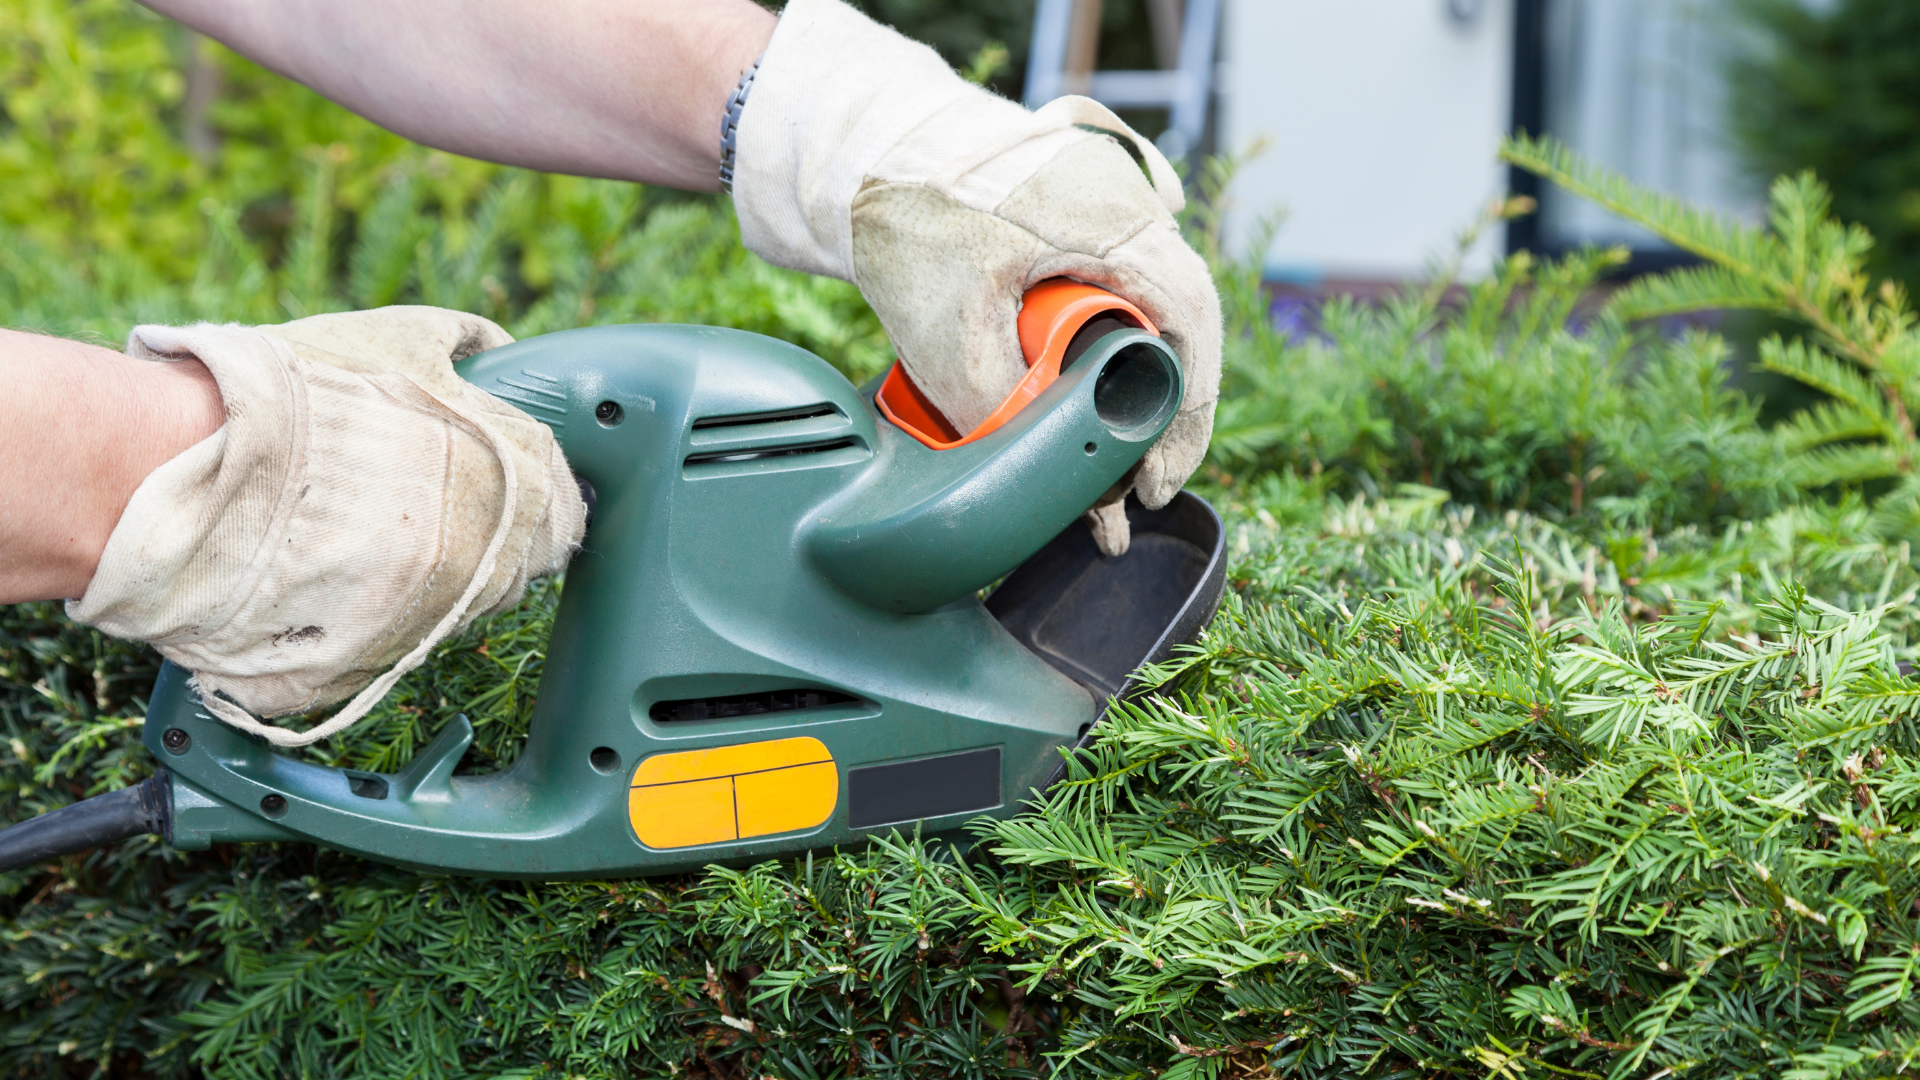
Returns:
(627,89)
(84,426)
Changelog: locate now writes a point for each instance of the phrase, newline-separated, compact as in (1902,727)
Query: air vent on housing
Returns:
(717,457)
(804,412)
(769,701)
(741,444)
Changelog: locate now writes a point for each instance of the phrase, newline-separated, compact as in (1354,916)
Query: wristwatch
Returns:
(730,123)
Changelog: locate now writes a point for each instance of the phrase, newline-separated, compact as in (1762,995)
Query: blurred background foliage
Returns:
(1835,87)
(163,178)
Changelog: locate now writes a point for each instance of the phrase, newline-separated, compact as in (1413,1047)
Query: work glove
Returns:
(361,504)
(859,154)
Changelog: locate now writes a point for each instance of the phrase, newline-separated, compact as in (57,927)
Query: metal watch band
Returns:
(730,123)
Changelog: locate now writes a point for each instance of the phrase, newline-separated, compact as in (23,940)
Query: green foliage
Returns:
(1190,901)
(85,147)
(1506,392)
(93,164)
(603,252)
(307,208)
(1461,812)
(1557,721)
(1835,88)
(1863,354)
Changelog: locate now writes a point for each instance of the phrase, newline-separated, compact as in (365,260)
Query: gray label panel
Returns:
(930,787)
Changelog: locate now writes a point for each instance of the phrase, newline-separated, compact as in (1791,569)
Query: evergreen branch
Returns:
(1739,249)
(1823,465)
(1689,289)
(1817,369)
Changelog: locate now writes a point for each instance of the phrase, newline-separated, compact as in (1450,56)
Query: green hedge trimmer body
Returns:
(771,640)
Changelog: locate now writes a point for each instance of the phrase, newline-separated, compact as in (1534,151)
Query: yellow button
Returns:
(682,815)
(784,800)
(732,792)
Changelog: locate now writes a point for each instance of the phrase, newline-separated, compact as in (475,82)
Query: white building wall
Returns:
(1385,117)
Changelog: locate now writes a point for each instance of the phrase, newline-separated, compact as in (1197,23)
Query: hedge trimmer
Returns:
(774,638)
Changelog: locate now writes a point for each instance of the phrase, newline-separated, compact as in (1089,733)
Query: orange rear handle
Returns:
(1051,313)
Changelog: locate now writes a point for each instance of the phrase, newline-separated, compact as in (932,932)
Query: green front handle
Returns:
(929,532)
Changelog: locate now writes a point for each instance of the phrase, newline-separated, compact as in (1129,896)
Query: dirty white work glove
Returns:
(361,504)
(861,155)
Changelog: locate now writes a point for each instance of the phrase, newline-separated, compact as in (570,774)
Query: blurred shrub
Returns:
(1835,88)
(107,220)
(92,162)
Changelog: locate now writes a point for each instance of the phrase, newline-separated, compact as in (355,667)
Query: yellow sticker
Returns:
(732,792)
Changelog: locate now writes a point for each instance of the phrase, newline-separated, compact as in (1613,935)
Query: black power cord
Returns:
(145,808)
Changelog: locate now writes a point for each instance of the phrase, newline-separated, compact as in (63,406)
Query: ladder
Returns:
(1066,35)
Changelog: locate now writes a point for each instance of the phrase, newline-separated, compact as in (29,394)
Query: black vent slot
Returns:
(716,457)
(721,708)
(804,412)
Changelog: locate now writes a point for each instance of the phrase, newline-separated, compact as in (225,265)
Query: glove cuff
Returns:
(835,92)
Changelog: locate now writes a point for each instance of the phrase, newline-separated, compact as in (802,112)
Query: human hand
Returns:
(361,504)
(861,155)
